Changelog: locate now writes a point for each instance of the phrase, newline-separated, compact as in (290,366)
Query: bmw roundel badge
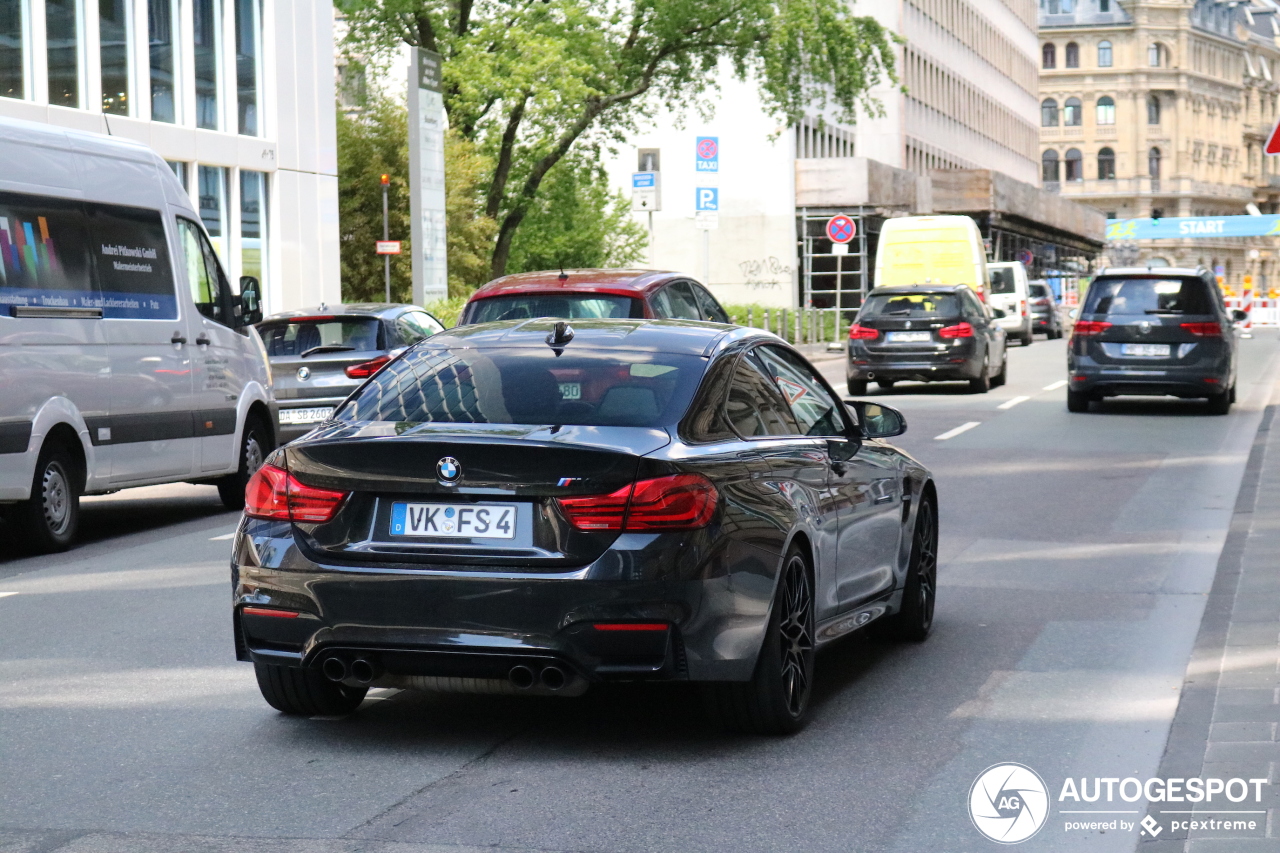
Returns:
(448,470)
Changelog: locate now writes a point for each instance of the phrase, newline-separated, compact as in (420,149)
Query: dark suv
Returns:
(1153,332)
(929,334)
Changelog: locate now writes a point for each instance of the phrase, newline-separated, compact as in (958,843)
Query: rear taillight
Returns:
(275,493)
(1039,301)
(677,502)
(862,333)
(368,368)
(960,330)
(1087,328)
(1204,330)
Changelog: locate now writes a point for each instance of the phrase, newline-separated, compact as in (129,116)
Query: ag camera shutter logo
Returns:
(1008,803)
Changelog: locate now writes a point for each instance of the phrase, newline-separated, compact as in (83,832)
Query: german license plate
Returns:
(1146,350)
(454,521)
(570,390)
(908,337)
(304,416)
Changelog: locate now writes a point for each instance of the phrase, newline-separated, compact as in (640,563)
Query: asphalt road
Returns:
(1077,550)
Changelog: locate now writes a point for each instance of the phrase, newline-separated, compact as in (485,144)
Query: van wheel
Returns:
(857,387)
(255,444)
(47,521)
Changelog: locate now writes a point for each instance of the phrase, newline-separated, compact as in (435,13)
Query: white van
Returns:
(126,357)
(1011,294)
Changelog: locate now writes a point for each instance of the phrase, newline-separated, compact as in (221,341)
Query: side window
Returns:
(209,287)
(973,307)
(680,299)
(754,407)
(413,326)
(711,309)
(814,408)
(132,261)
(44,245)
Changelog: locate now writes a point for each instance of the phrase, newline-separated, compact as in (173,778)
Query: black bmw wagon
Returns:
(529,507)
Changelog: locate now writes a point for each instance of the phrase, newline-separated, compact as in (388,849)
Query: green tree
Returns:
(528,81)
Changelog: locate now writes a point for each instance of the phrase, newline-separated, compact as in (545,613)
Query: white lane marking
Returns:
(952,433)
(7,594)
(1055,386)
(224,537)
(1009,404)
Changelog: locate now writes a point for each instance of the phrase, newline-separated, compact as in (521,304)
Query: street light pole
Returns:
(386,235)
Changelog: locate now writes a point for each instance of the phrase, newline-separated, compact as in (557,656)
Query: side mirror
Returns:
(1238,316)
(1074,313)
(998,313)
(250,301)
(877,421)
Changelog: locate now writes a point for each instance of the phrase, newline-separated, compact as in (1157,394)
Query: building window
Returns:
(206,54)
(1072,113)
(1106,110)
(1049,113)
(13,60)
(62,28)
(1049,56)
(1071,59)
(1049,166)
(180,172)
(1153,56)
(253,225)
(1153,109)
(1153,163)
(1106,165)
(248,64)
(1073,165)
(161,15)
(113,33)
(1104,54)
(212,202)
(1104,6)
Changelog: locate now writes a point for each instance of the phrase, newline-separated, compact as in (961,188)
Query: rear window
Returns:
(529,386)
(1039,291)
(924,304)
(1002,281)
(570,306)
(303,335)
(1148,296)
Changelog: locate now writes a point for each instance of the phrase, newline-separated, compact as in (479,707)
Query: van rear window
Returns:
(924,304)
(1002,281)
(1148,296)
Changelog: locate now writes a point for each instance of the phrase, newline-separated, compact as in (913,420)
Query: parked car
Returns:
(1154,332)
(320,355)
(532,507)
(1010,293)
(126,356)
(1044,310)
(926,334)
(595,294)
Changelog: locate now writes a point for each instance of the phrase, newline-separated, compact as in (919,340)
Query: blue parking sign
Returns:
(708,198)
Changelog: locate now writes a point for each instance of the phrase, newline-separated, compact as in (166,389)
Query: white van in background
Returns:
(126,358)
(1011,294)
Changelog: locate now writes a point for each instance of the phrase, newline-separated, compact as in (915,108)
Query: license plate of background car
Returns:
(1146,350)
(304,416)
(454,521)
(908,337)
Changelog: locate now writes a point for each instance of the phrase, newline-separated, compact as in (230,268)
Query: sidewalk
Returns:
(1227,717)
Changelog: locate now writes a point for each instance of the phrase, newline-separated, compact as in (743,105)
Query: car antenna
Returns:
(564,276)
(561,334)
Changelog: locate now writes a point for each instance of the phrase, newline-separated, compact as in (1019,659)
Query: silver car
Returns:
(320,355)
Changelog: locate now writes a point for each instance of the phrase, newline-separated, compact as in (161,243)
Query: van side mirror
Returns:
(250,301)
(877,421)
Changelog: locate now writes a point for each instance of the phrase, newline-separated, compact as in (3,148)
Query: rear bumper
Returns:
(476,624)
(860,366)
(1105,380)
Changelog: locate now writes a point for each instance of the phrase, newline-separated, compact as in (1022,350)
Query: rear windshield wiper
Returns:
(899,311)
(1163,311)
(327,348)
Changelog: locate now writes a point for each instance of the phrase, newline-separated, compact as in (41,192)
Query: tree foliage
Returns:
(528,80)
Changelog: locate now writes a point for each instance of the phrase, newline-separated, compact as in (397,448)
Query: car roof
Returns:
(690,337)
(1148,272)
(919,288)
(371,309)
(619,282)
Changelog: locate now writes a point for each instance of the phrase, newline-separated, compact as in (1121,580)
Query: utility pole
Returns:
(386,235)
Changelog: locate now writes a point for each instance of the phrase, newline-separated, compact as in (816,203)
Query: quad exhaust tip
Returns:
(334,669)
(553,678)
(364,670)
(521,676)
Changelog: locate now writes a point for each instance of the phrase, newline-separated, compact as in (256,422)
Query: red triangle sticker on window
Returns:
(1273,141)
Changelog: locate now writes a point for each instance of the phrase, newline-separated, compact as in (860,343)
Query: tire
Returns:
(1003,376)
(775,700)
(857,387)
(48,520)
(255,444)
(1077,401)
(914,620)
(982,384)
(1220,404)
(1233,393)
(305,692)
(1027,339)
(886,384)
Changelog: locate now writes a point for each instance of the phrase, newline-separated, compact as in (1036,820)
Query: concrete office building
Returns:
(970,112)
(238,97)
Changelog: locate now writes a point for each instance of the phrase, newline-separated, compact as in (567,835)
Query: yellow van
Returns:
(932,250)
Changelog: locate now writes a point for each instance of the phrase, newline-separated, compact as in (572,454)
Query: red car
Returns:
(593,294)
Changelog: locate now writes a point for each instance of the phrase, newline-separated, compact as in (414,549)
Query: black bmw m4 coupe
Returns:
(529,507)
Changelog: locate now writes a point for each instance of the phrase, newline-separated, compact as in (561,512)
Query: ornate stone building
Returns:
(1159,108)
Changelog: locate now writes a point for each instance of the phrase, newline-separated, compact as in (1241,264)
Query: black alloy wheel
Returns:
(886,384)
(1077,401)
(1003,376)
(1220,404)
(857,387)
(306,692)
(982,384)
(47,521)
(255,444)
(914,621)
(775,700)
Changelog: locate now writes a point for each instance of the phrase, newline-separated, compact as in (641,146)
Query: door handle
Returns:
(203,340)
(177,339)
